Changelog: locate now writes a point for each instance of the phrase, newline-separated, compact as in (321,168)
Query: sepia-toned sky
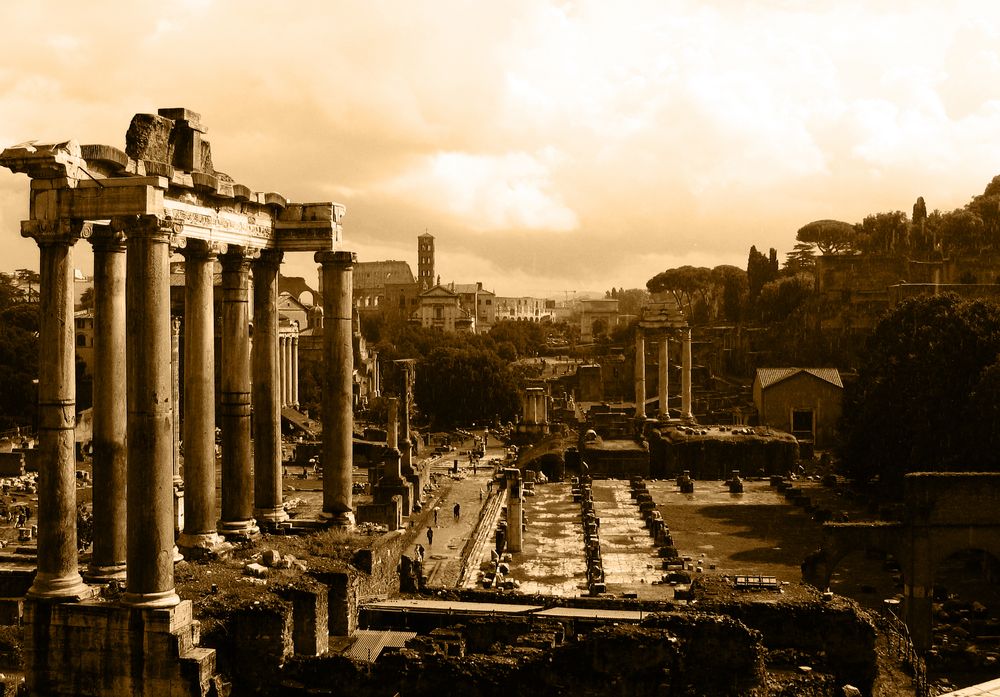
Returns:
(550,147)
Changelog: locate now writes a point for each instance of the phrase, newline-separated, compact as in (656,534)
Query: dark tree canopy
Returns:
(830,236)
(18,355)
(926,393)
(460,386)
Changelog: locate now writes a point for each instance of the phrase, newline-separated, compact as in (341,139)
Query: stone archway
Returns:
(944,513)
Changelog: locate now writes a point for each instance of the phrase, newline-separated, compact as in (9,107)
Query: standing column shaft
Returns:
(295,371)
(150,500)
(175,393)
(237,473)
(199,400)
(338,373)
(392,427)
(686,376)
(267,396)
(288,369)
(110,416)
(58,576)
(640,375)
(281,370)
(406,448)
(664,378)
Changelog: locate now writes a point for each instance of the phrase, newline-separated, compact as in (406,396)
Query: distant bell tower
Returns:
(425,260)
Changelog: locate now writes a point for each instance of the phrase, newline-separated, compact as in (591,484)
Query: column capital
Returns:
(339,258)
(104,238)
(238,258)
(152,227)
(202,250)
(55,232)
(269,258)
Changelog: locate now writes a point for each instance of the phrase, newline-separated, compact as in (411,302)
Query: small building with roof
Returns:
(805,402)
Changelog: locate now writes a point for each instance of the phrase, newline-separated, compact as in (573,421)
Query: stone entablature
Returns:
(166,171)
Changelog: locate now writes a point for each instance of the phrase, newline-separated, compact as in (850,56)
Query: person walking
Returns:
(436,509)
(458,510)
(430,536)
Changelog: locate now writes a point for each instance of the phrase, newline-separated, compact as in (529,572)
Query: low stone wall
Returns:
(714,457)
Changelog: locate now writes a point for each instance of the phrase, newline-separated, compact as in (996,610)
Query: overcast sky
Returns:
(549,147)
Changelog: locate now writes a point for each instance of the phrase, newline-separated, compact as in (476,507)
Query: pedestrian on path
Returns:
(458,510)
(436,509)
(430,536)
(480,493)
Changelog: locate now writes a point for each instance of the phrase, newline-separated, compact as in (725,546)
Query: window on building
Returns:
(439,312)
(802,423)
(81,340)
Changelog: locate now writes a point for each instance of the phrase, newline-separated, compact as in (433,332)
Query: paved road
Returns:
(443,557)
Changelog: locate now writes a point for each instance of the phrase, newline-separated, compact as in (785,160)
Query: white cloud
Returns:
(489,192)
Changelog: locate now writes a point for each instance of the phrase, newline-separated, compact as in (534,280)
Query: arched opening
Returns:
(965,618)
(868,576)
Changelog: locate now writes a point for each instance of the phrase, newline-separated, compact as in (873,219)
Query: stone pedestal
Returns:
(237,469)
(58,576)
(101,648)
(338,375)
(107,561)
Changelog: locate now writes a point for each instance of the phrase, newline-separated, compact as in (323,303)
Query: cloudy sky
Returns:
(549,147)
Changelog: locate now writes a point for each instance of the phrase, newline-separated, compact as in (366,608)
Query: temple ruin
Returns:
(136,207)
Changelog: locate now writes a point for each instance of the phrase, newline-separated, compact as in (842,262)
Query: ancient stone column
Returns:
(175,394)
(640,375)
(199,534)
(237,467)
(405,446)
(338,373)
(664,377)
(58,576)
(295,372)
(267,396)
(288,370)
(686,376)
(150,500)
(392,425)
(107,562)
(175,401)
(281,370)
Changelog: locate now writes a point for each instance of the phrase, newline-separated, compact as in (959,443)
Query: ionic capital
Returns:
(151,227)
(237,258)
(104,238)
(203,250)
(342,259)
(269,259)
(55,232)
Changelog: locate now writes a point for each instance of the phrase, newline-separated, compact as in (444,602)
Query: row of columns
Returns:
(663,375)
(288,362)
(134,415)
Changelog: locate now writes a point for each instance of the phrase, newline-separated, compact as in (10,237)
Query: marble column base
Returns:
(65,588)
(161,599)
(238,529)
(104,573)
(270,517)
(200,545)
(341,520)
